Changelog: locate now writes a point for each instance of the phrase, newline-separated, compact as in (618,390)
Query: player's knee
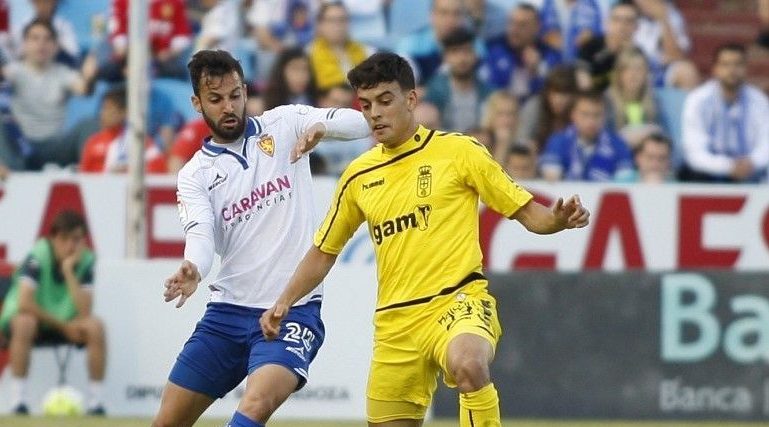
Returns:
(259,406)
(24,327)
(94,329)
(470,373)
(165,420)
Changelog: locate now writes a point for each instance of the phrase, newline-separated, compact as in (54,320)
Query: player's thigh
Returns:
(462,328)
(266,389)
(301,336)
(180,407)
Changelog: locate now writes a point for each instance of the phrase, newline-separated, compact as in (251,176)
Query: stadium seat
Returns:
(671,103)
(406,16)
(179,92)
(81,107)
(81,15)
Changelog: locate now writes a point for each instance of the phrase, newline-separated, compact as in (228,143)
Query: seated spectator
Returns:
(686,76)
(281,24)
(332,53)
(598,54)
(51,300)
(568,24)
(587,150)
(521,162)
(498,124)
(427,115)
(726,124)
(486,18)
(170,40)
(457,91)
(290,81)
(423,47)
(40,90)
(45,10)
(662,37)
(652,160)
(221,26)
(548,112)
(631,95)
(336,155)
(107,150)
(518,61)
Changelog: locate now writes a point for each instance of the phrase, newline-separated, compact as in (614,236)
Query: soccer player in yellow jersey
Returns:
(418,190)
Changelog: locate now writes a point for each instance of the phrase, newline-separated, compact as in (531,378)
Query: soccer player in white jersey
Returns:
(247,196)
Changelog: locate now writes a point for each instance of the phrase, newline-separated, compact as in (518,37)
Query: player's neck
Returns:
(401,139)
(218,140)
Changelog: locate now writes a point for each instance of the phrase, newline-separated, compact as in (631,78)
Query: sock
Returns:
(479,408)
(240,420)
(95,393)
(18,391)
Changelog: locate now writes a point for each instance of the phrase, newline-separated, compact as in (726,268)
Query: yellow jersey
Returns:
(420,201)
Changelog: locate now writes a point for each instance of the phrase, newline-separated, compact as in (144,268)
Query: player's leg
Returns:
(266,389)
(23,330)
(212,363)
(468,359)
(180,407)
(279,367)
(469,333)
(92,331)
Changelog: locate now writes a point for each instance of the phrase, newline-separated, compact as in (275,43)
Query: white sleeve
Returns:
(341,123)
(760,154)
(199,247)
(197,218)
(695,140)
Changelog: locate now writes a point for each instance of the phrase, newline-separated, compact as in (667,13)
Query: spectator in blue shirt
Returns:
(518,61)
(587,150)
(568,25)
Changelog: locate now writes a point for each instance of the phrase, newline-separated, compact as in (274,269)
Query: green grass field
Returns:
(143,422)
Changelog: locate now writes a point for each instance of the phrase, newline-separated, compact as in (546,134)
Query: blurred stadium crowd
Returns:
(595,90)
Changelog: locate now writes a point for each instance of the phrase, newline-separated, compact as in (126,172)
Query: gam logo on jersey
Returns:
(267,144)
(424,181)
(218,180)
(417,219)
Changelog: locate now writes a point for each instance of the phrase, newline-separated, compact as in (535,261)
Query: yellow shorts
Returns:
(407,359)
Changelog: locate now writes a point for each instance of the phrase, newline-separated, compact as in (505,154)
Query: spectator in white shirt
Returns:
(726,124)
(221,27)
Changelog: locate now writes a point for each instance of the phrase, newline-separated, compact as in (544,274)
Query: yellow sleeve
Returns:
(343,218)
(482,173)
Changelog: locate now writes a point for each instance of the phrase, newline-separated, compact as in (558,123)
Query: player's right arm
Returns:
(311,271)
(29,276)
(197,218)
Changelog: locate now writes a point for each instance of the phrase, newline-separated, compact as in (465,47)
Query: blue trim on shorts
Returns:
(228,344)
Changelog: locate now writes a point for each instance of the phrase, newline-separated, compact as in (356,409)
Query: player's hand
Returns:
(68,264)
(183,283)
(73,332)
(571,213)
(309,139)
(270,320)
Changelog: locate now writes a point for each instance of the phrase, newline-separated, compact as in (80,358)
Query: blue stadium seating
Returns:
(81,107)
(81,14)
(406,16)
(179,92)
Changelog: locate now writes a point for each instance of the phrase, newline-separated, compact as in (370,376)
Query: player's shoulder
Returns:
(455,141)
(197,167)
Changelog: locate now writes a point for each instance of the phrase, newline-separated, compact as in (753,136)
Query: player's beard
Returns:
(223,134)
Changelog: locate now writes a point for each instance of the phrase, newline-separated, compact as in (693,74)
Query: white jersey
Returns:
(256,205)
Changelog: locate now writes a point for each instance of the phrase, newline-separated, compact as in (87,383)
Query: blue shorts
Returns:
(228,344)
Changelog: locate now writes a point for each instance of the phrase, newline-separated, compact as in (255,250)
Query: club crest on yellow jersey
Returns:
(424,181)
(267,144)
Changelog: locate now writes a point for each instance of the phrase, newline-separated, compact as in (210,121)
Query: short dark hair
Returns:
(43,23)
(328,5)
(459,37)
(593,96)
(117,95)
(67,221)
(212,63)
(623,3)
(521,150)
(657,137)
(729,47)
(383,67)
(529,8)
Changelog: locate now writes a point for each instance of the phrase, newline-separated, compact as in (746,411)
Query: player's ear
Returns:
(196,104)
(411,99)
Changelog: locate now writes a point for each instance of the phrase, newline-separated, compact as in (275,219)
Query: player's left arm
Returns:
(80,292)
(563,215)
(314,124)
(501,193)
